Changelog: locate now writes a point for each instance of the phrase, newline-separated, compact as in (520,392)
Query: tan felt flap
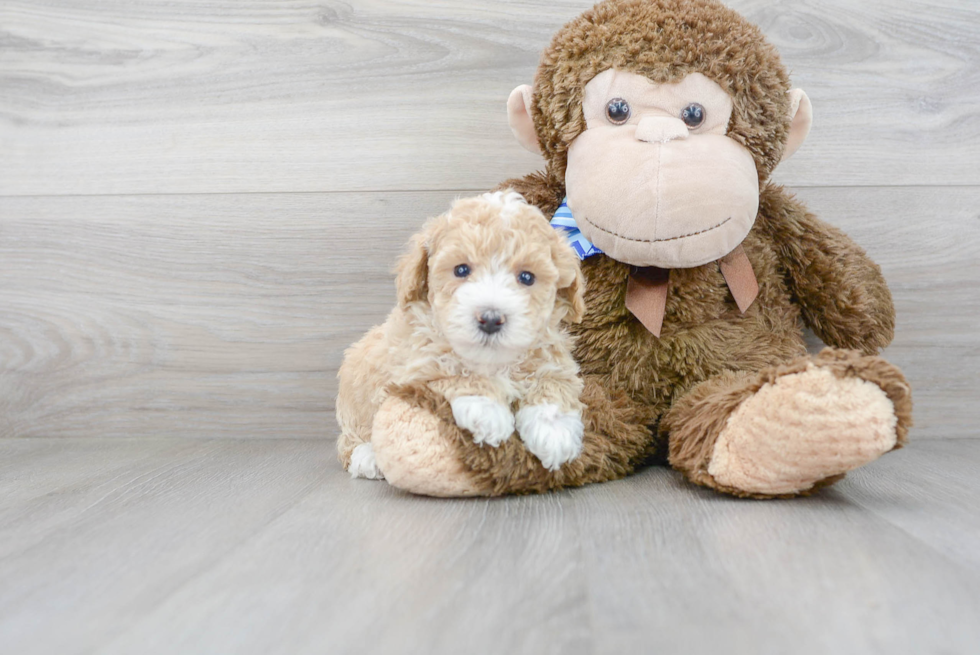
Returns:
(737,269)
(646,296)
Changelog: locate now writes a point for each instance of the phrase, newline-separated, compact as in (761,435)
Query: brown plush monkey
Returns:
(661,122)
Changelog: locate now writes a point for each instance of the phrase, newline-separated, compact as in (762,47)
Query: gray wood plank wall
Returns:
(200,202)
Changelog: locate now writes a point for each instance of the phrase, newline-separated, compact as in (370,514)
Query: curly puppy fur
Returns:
(642,391)
(433,341)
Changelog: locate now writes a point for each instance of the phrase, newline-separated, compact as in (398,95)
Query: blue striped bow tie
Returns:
(563,221)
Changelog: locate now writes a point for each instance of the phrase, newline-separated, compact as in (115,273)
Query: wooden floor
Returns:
(223,546)
(200,203)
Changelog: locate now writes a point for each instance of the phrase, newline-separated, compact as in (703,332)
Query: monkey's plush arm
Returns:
(539,189)
(841,291)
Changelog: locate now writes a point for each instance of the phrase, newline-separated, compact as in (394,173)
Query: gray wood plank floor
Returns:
(208,546)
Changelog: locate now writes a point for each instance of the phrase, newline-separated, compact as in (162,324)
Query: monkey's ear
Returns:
(519,117)
(412,272)
(802,112)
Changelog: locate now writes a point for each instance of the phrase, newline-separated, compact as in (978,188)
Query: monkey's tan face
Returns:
(654,180)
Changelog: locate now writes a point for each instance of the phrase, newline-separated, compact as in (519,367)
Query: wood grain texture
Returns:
(143,515)
(691,572)
(936,503)
(262,95)
(174,315)
(163,546)
(227,315)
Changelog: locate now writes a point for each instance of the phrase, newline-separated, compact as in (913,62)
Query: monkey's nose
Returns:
(491,321)
(660,129)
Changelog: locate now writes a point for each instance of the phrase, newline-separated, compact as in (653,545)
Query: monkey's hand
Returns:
(841,291)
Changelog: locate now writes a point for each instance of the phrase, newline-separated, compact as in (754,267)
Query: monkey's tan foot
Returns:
(790,429)
(414,450)
(800,429)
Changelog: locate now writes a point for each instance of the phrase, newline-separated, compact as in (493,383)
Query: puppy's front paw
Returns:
(489,421)
(553,436)
(363,465)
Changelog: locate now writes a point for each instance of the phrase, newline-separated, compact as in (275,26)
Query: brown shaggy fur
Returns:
(616,442)
(697,418)
(664,40)
(641,391)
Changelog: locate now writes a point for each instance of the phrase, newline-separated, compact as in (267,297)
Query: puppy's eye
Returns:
(618,111)
(693,115)
(526,278)
(461,271)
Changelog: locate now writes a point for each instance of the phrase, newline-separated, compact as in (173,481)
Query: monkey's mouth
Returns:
(677,238)
(637,243)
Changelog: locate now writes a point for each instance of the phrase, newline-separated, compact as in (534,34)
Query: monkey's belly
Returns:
(703,334)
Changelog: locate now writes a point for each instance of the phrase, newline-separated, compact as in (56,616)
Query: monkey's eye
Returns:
(618,111)
(526,278)
(461,271)
(693,114)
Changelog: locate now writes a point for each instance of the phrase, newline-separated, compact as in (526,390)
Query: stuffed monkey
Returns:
(661,122)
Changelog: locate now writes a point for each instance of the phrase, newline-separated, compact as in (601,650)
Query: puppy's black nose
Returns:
(491,321)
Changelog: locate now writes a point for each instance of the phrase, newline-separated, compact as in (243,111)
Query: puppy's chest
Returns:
(509,386)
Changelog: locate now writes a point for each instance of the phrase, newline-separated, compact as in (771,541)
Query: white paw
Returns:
(553,436)
(363,465)
(489,421)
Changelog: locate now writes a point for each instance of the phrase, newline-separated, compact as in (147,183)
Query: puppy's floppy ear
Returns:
(412,272)
(571,283)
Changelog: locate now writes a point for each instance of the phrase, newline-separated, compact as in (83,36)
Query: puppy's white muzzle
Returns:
(488,320)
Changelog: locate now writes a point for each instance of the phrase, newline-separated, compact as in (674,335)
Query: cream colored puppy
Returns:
(481,298)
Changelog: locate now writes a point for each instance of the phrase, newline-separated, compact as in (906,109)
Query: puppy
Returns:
(481,298)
